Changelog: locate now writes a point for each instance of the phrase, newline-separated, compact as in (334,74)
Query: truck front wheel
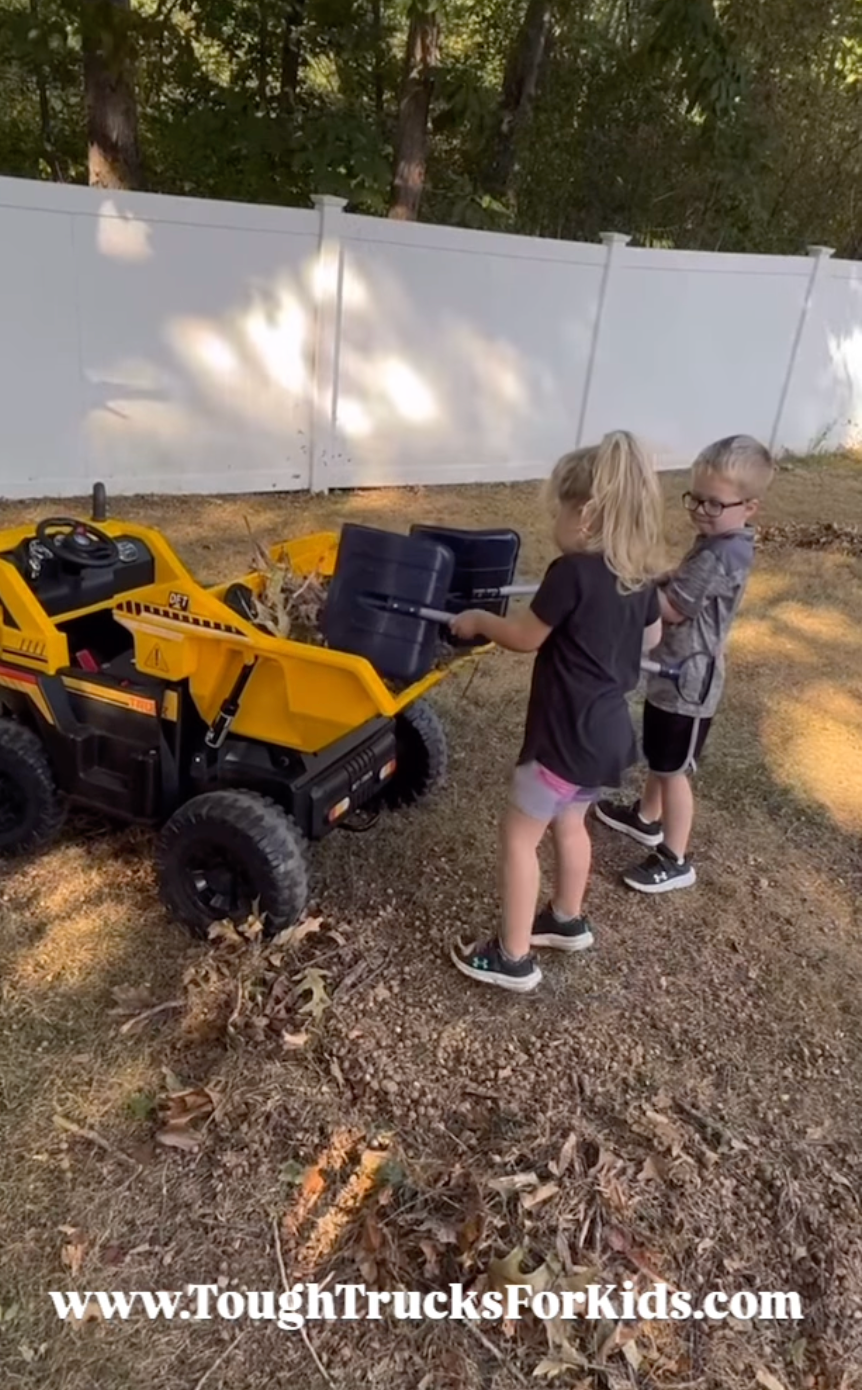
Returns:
(422,755)
(222,853)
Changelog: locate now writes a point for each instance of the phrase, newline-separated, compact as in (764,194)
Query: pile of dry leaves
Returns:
(826,535)
(365,1209)
(289,604)
(249,985)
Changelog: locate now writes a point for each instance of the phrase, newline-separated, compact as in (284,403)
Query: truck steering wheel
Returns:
(78,543)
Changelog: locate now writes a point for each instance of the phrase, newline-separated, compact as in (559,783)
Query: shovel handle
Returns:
(505,591)
(437,615)
(415,610)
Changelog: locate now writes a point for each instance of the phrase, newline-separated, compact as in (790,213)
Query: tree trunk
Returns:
(377,40)
(520,84)
(45,122)
(411,136)
(109,91)
(291,53)
(263,58)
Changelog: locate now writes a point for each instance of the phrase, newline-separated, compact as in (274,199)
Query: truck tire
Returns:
(422,753)
(32,810)
(223,851)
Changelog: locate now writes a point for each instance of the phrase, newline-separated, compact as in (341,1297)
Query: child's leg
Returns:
(573,855)
(651,804)
(506,960)
(672,745)
(561,926)
(640,821)
(677,812)
(520,838)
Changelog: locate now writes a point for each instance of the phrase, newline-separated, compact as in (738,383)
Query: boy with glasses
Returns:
(698,601)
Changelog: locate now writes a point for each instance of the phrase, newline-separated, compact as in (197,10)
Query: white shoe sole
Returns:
(683,881)
(501,981)
(642,837)
(562,943)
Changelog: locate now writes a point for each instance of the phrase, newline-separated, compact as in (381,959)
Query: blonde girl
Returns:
(596,612)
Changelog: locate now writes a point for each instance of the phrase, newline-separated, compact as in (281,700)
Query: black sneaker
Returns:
(487,964)
(627,820)
(574,935)
(661,873)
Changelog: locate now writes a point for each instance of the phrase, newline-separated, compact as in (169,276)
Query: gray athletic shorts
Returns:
(543,796)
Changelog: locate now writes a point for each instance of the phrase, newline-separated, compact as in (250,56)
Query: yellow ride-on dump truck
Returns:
(128,688)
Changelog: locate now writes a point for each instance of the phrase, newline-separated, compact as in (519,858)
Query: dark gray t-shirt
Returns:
(578,721)
(707,587)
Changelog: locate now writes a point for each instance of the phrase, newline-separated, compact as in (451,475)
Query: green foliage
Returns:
(702,123)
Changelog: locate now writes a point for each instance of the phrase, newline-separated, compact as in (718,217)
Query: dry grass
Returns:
(704,1056)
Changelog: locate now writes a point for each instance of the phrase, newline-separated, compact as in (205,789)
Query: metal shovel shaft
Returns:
(437,615)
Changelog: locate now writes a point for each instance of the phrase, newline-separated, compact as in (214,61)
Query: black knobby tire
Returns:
(222,852)
(32,809)
(422,753)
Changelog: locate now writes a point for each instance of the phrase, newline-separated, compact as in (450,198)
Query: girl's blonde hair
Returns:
(616,487)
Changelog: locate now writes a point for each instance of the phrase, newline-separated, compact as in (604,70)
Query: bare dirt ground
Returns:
(684,1101)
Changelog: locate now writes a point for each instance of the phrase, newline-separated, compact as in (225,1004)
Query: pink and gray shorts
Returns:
(543,796)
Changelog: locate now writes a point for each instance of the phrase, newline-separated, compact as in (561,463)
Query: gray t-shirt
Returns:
(707,588)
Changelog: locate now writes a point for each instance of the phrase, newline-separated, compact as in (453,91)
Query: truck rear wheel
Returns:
(222,852)
(422,753)
(32,810)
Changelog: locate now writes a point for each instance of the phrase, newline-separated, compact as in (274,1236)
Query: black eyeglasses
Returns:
(710,506)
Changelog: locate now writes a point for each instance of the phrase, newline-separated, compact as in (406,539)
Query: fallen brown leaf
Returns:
(182,1108)
(292,1041)
(655,1169)
(92,1313)
(442,1233)
(514,1182)
(30,1354)
(549,1276)
(278,1002)
(432,1258)
(182,1138)
(540,1195)
(225,931)
(74,1249)
(470,1233)
(291,936)
(768,1380)
(179,1112)
(668,1135)
(567,1153)
(313,982)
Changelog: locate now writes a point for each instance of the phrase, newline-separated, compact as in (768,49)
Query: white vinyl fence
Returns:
(172,345)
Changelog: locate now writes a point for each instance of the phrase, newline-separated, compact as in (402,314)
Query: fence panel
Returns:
(183,346)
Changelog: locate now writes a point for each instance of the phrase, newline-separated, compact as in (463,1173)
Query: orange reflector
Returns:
(339,809)
(387,771)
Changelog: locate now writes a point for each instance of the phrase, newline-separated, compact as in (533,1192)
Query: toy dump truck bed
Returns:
(302,695)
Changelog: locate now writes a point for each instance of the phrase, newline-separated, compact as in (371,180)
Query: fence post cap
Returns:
(821,250)
(328,200)
(615,238)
